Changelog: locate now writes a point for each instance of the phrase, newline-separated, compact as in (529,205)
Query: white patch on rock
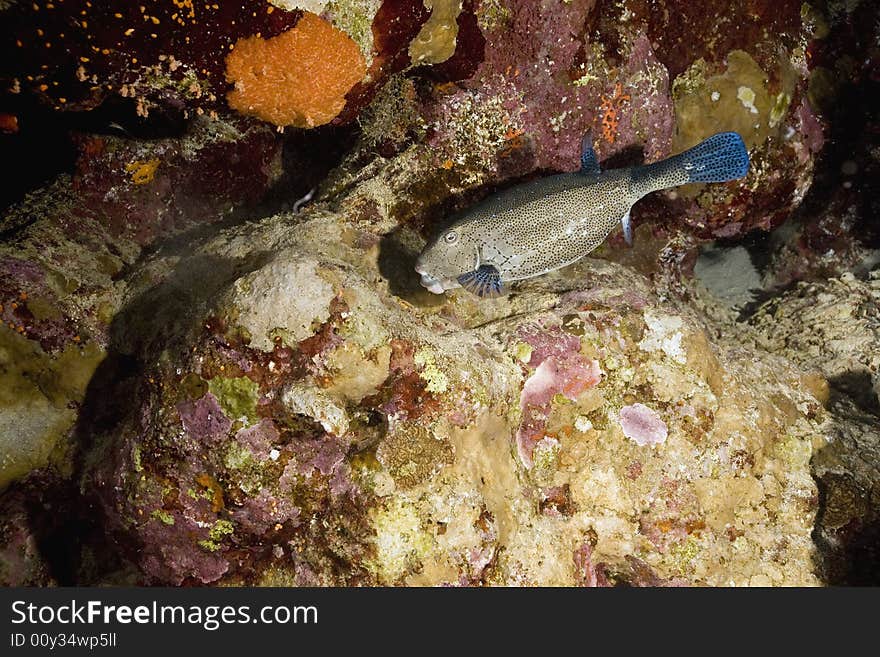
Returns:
(303,399)
(286,298)
(664,333)
(582,423)
(746,96)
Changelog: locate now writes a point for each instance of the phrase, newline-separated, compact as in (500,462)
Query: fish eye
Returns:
(450,237)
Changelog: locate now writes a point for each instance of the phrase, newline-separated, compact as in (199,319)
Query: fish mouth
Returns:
(432,284)
(429,282)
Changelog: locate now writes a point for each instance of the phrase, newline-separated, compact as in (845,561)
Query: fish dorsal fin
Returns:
(589,162)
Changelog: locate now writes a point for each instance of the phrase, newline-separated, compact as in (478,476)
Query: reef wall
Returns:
(217,365)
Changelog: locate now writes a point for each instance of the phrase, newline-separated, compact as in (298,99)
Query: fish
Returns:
(542,225)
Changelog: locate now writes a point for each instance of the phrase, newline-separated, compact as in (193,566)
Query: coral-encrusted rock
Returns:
(143,190)
(66,247)
(833,327)
(644,85)
(341,436)
(21,563)
(279,402)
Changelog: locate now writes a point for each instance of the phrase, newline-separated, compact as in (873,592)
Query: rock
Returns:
(228,382)
(832,327)
(729,274)
(846,473)
(21,561)
(144,190)
(416,471)
(68,244)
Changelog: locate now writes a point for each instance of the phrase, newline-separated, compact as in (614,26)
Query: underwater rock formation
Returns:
(72,240)
(833,327)
(340,435)
(222,362)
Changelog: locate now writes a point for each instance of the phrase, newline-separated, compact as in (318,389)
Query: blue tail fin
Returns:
(719,158)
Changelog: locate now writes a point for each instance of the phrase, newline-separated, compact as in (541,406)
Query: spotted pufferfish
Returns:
(545,224)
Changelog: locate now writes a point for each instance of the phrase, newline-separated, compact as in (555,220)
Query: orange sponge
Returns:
(299,77)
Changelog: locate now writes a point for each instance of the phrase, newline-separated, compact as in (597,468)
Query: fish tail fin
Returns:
(719,158)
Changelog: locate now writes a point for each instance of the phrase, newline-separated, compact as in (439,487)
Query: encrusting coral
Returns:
(299,411)
(299,77)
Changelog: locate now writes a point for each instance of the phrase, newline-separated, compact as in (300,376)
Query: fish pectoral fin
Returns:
(589,161)
(627,227)
(484,281)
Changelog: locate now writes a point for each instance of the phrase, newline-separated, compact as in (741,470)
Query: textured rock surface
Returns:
(425,467)
(207,377)
(833,327)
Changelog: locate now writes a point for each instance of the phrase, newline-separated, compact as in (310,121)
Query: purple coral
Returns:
(260,513)
(170,556)
(642,425)
(259,438)
(204,419)
(547,341)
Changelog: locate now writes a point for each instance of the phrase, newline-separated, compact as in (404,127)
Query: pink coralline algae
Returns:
(591,575)
(203,418)
(548,341)
(260,513)
(259,438)
(323,455)
(642,425)
(569,376)
(170,557)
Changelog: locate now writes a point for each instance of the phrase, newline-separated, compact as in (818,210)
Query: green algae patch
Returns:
(402,544)
(355,18)
(162,516)
(38,396)
(683,555)
(736,100)
(523,352)
(434,378)
(220,530)
(236,396)
(238,459)
(136,458)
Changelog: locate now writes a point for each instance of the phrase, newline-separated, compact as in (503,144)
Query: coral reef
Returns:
(217,365)
(633,435)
